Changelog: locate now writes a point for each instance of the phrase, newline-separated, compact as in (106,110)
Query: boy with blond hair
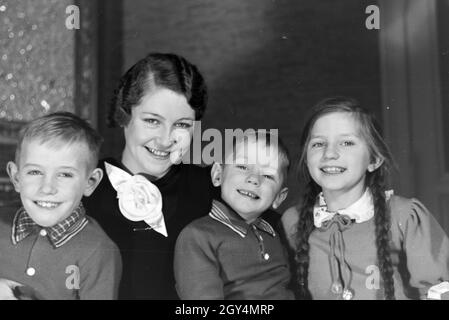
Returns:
(49,247)
(233,253)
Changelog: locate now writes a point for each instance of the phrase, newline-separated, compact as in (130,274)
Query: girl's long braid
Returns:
(382,229)
(305,228)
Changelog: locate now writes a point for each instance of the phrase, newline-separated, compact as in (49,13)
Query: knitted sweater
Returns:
(88,266)
(419,252)
(226,258)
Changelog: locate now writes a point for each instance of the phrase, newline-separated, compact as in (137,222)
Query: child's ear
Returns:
(13,173)
(93,181)
(375,164)
(216,174)
(280,197)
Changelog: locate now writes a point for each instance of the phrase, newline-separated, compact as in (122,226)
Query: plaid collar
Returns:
(225,215)
(58,235)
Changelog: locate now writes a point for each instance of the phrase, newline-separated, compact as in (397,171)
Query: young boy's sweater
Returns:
(73,260)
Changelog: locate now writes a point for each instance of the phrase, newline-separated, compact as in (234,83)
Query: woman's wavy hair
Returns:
(157,70)
(377,181)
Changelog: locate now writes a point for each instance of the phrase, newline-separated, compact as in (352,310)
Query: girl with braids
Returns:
(354,239)
(147,196)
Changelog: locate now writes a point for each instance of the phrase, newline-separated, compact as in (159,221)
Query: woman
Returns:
(156,103)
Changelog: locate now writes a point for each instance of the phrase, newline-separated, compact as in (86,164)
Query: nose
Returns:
(164,139)
(331,152)
(253,179)
(49,185)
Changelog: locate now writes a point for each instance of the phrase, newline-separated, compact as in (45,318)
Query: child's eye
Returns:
(151,121)
(183,125)
(268,176)
(348,143)
(241,167)
(34,172)
(317,144)
(66,175)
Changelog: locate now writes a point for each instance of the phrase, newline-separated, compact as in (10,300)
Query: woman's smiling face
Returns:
(160,125)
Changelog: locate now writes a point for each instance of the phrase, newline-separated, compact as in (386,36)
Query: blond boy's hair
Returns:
(270,139)
(60,127)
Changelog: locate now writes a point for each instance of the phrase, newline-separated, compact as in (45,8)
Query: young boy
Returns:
(233,253)
(49,247)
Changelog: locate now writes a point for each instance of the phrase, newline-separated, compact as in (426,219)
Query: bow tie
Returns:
(322,218)
(341,273)
(342,222)
(360,211)
(340,269)
(337,222)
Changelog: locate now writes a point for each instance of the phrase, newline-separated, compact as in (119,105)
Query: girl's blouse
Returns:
(147,255)
(419,252)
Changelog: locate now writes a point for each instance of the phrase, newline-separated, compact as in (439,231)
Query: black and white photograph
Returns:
(225,156)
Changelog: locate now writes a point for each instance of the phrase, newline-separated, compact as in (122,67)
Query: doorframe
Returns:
(411,98)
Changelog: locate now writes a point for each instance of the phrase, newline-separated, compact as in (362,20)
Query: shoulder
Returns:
(94,234)
(197,171)
(202,233)
(400,203)
(290,217)
(6,221)
(200,226)
(403,208)
(409,214)
(289,222)
(7,215)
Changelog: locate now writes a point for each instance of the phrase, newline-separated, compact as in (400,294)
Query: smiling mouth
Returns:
(333,170)
(248,194)
(158,153)
(47,204)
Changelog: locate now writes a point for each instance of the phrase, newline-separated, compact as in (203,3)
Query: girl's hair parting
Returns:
(377,181)
(157,70)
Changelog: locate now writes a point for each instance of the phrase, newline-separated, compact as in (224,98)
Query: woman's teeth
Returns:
(47,204)
(333,169)
(158,152)
(248,194)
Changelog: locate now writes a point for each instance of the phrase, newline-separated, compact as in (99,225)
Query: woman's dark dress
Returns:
(187,194)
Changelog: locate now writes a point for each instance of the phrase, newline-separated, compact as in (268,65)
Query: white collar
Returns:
(362,210)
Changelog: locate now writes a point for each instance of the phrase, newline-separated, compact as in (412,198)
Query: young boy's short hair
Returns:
(64,127)
(50,247)
(234,253)
(269,138)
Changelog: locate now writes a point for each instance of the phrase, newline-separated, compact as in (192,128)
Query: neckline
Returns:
(167,178)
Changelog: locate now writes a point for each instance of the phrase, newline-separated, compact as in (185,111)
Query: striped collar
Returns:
(229,218)
(58,234)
